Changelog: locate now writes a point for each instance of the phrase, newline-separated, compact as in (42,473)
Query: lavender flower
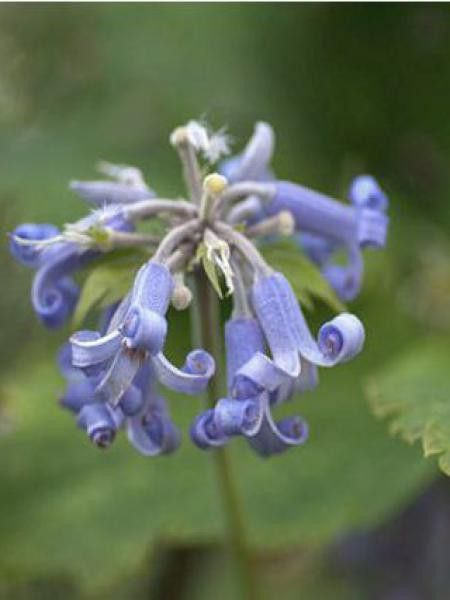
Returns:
(114,374)
(324,225)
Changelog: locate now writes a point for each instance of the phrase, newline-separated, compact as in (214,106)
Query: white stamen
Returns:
(218,252)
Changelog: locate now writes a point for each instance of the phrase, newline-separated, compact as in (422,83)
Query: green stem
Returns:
(207,326)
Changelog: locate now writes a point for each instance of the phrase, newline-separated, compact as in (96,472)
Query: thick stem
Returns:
(207,324)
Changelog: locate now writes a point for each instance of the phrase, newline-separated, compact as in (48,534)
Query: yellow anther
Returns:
(214,184)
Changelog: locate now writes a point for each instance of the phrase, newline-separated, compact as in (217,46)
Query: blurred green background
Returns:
(348,89)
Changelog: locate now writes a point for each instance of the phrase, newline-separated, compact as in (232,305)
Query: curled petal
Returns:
(153,433)
(205,433)
(192,378)
(30,255)
(273,312)
(78,394)
(258,374)
(365,192)
(99,423)
(276,437)
(145,329)
(153,287)
(100,193)
(341,338)
(53,294)
(120,374)
(89,348)
(236,417)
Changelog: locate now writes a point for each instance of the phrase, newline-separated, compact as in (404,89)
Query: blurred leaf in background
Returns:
(414,391)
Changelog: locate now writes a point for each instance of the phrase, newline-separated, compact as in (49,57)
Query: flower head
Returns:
(114,374)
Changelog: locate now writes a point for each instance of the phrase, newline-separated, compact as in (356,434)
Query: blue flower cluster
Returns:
(113,374)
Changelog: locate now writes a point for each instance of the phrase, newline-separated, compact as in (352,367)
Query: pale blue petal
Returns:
(144,329)
(274,317)
(258,374)
(205,433)
(89,348)
(342,338)
(30,255)
(53,295)
(192,378)
(152,288)
(253,163)
(238,417)
(339,340)
(120,374)
(243,338)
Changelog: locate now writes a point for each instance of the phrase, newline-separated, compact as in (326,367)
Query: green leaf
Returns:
(306,279)
(413,393)
(107,282)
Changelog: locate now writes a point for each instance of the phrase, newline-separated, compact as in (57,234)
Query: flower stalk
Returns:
(206,327)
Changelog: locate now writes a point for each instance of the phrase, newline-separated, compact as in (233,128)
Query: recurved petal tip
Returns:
(205,433)
(365,192)
(342,338)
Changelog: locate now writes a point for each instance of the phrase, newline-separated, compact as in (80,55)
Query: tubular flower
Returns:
(113,374)
(323,225)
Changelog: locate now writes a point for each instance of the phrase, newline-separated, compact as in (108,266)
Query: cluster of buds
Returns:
(113,373)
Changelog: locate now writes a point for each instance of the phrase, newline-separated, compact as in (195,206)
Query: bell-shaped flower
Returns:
(255,384)
(141,412)
(288,334)
(136,335)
